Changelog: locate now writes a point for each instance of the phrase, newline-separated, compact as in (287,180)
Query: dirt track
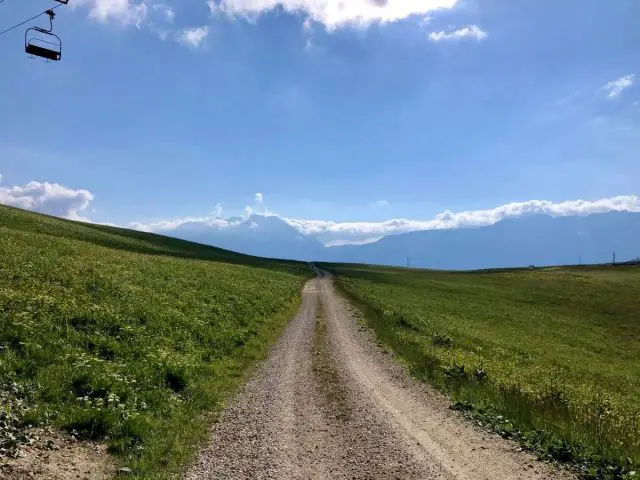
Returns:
(329,404)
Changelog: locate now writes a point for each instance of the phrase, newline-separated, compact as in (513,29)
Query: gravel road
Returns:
(328,403)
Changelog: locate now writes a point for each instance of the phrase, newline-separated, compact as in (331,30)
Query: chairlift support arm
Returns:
(52,15)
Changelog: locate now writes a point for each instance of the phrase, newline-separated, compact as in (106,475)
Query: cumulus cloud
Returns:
(123,11)
(193,37)
(333,233)
(49,198)
(615,87)
(333,14)
(382,204)
(470,31)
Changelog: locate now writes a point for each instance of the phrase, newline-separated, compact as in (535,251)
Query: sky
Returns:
(343,114)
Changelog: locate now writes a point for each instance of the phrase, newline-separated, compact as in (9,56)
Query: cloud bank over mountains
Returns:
(62,201)
(339,233)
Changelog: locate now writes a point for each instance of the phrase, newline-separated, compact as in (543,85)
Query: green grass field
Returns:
(548,356)
(130,338)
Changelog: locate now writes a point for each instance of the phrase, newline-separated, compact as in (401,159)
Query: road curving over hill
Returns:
(328,403)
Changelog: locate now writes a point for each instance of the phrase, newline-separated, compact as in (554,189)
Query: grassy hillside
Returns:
(131,338)
(549,356)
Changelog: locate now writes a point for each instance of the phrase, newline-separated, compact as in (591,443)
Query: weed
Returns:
(455,372)
(442,340)
(480,374)
(14,408)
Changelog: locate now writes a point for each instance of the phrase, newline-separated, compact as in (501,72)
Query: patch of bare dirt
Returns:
(59,457)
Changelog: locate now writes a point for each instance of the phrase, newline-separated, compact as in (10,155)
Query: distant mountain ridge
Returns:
(259,235)
(534,239)
(531,240)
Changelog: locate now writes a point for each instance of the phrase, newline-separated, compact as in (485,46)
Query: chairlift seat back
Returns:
(42,52)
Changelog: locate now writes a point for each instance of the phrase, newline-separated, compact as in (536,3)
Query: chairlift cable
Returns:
(29,19)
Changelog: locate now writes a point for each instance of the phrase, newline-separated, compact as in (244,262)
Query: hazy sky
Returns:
(350,110)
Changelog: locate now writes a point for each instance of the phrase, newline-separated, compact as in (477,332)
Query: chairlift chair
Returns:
(43,43)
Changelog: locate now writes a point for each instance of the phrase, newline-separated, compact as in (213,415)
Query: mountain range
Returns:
(529,240)
(259,235)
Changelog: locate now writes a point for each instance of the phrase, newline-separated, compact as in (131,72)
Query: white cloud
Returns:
(214,221)
(615,87)
(334,14)
(61,201)
(307,28)
(258,207)
(166,11)
(342,243)
(163,226)
(156,17)
(50,198)
(123,11)
(358,233)
(160,21)
(470,31)
(350,232)
(193,37)
(382,204)
(424,21)
(217,210)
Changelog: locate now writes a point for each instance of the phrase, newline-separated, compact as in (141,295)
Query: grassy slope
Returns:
(552,349)
(129,337)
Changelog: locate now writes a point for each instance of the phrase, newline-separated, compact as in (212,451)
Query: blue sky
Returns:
(395,109)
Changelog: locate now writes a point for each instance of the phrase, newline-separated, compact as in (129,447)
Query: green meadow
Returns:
(549,357)
(128,338)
